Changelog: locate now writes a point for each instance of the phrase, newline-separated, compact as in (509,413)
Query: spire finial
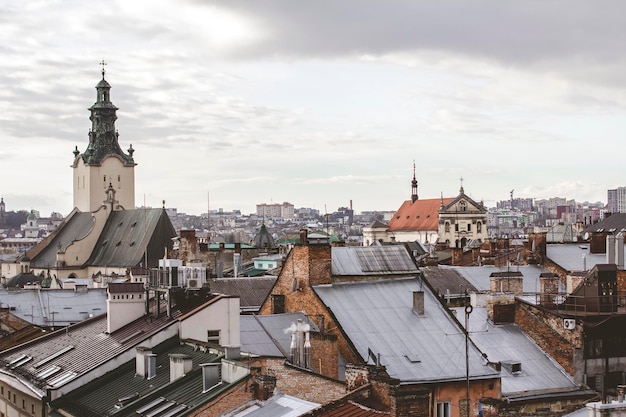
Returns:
(103,64)
(414,196)
(461,190)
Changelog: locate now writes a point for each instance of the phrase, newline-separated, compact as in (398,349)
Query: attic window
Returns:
(134,224)
(105,243)
(118,243)
(417,217)
(132,243)
(120,225)
(398,217)
(408,217)
(428,216)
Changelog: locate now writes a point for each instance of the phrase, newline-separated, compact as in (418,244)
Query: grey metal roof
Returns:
(371,260)
(252,291)
(509,343)
(74,228)
(268,335)
(570,256)
(80,348)
(122,242)
(54,307)
(479,276)
(445,280)
(126,235)
(280,405)
(102,395)
(377,316)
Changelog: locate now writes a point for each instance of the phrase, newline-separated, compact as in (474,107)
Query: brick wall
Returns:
(237,396)
(303,384)
(547,330)
(309,265)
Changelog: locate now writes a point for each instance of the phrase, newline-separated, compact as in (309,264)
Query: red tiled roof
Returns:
(420,215)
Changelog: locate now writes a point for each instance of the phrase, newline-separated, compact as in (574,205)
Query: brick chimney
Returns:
(418,302)
(263,387)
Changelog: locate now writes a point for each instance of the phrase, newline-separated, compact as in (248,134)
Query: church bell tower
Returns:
(103,165)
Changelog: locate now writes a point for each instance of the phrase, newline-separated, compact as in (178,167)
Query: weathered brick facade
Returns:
(309,265)
(547,330)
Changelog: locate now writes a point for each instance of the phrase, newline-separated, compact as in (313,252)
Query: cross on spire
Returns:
(103,64)
(461,179)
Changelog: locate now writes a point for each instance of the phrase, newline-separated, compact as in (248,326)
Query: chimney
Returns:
(610,249)
(418,302)
(264,386)
(619,251)
(303,237)
(180,365)
(300,347)
(211,375)
(125,303)
(548,288)
(141,361)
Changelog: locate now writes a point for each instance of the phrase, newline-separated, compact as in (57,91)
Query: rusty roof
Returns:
(418,215)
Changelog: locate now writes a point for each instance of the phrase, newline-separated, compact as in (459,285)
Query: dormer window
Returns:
(462,205)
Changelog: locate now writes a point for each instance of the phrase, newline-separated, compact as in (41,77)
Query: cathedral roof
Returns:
(418,215)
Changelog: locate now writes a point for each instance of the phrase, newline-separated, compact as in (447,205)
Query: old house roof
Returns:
(59,357)
(371,260)
(123,393)
(480,276)
(574,256)
(268,335)
(279,405)
(447,280)
(56,308)
(378,318)
(421,215)
(507,343)
(122,243)
(615,222)
(252,291)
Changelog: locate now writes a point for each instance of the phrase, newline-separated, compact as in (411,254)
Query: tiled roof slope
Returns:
(418,215)
(251,291)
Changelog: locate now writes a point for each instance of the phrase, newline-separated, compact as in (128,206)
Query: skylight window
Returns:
(63,378)
(48,372)
(53,356)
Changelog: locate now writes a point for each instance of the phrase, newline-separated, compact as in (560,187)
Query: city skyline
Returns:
(318,104)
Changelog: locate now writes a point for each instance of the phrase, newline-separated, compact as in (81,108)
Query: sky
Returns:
(322,104)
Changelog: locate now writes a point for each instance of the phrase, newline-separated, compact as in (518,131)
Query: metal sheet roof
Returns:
(570,256)
(252,291)
(539,373)
(377,316)
(371,260)
(479,276)
(102,395)
(269,335)
(54,307)
(280,405)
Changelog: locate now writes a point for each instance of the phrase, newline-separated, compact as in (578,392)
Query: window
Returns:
(456,227)
(447,227)
(278,303)
(213,336)
(462,205)
(444,409)
(479,227)
(469,227)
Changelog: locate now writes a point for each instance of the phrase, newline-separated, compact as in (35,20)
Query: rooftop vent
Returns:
(211,375)
(512,366)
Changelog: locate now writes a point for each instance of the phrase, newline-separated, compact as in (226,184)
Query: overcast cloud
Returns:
(318,103)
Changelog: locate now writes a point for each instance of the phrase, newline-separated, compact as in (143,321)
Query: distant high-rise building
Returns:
(620,196)
(276,210)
